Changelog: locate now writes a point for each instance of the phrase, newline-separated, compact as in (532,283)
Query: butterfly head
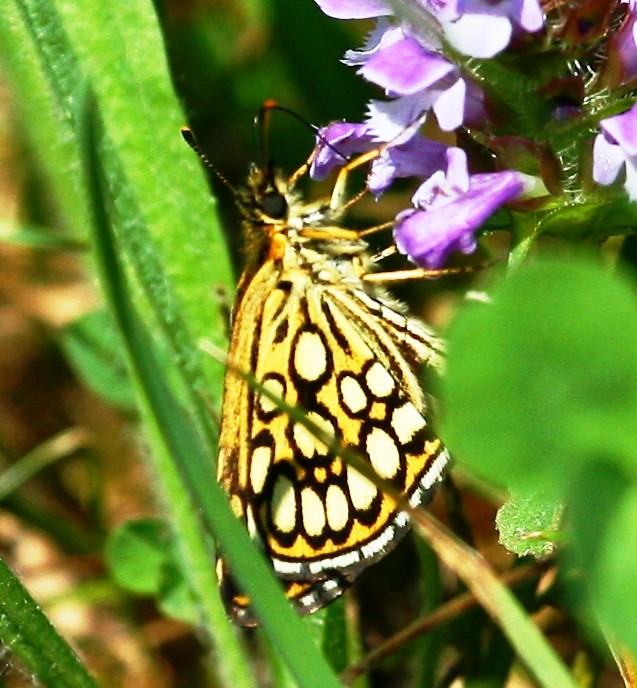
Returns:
(265,198)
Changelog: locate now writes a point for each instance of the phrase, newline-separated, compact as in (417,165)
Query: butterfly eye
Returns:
(274,205)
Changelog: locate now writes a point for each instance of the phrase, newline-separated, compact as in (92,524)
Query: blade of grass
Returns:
(70,537)
(119,47)
(178,450)
(169,431)
(111,60)
(39,89)
(58,447)
(180,234)
(26,631)
(38,238)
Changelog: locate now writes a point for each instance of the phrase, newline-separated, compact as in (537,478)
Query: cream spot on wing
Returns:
(361,490)
(336,507)
(406,421)
(380,382)
(305,441)
(313,512)
(353,395)
(320,474)
(283,505)
(336,466)
(275,386)
(383,453)
(259,465)
(310,356)
(237,506)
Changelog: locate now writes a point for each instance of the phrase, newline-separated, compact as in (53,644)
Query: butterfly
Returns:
(316,333)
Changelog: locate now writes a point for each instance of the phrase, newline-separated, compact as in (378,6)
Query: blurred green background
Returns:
(87,75)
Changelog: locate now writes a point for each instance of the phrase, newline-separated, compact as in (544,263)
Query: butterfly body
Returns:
(317,336)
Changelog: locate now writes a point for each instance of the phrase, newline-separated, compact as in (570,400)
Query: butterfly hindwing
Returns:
(326,350)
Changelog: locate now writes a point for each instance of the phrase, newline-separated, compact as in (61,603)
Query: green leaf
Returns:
(93,348)
(62,47)
(120,51)
(545,377)
(333,635)
(175,598)
(528,525)
(603,549)
(136,552)
(52,450)
(29,635)
(143,558)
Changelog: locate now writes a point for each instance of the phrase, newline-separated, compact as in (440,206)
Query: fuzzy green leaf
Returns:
(545,377)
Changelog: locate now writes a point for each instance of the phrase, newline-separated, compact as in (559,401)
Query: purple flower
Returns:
(406,62)
(448,209)
(336,143)
(483,28)
(395,121)
(403,55)
(616,148)
(383,35)
(404,67)
(422,80)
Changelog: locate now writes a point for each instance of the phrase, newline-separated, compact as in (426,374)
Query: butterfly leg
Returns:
(416,273)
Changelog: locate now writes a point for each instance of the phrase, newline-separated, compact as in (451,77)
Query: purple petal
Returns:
(623,48)
(450,106)
(449,223)
(449,181)
(483,28)
(622,129)
(336,143)
(419,157)
(458,178)
(479,36)
(405,67)
(475,112)
(630,185)
(383,35)
(615,147)
(531,17)
(426,238)
(608,159)
(354,9)
(527,14)
(396,120)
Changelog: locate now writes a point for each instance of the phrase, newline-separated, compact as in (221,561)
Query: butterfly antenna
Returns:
(262,122)
(190,139)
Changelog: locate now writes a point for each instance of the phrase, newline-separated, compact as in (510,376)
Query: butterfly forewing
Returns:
(320,339)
